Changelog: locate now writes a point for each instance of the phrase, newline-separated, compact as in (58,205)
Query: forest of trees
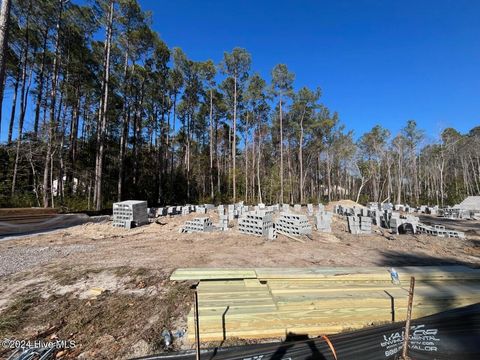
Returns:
(100,109)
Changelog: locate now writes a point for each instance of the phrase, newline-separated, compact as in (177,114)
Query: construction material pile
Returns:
(203,224)
(293,224)
(359,224)
(272,302)
(323,221)
(439,230)
(258,223)
(131,213)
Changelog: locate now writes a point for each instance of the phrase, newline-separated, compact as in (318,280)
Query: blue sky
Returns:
(377,61)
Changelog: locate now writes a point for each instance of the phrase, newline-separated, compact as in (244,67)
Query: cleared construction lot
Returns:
(108,288)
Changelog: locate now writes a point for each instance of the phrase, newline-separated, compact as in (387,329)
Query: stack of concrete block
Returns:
(131,213)
(256,223)
(200,210)
(178,209)
(365,224)
(285,208)
(373,206)
(353,224)
(321,207)
(441,231)
(323,221)
(293,224)
(456,213)
(161,212)
(261,206)
(385,219)
(202,224)
(272,233)
(209,206)
(396,220)
(171,210)
(310,209)
(223,222)
(359,224)
(185,210)
(221,210)
(297,208)
(346,211)
(387,206)
(273,208)
(394,224)
(231,212)
(375,215)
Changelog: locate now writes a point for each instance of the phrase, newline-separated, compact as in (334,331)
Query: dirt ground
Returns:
(108,289)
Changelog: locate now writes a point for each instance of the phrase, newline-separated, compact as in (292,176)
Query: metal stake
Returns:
(197,326)
(409,317)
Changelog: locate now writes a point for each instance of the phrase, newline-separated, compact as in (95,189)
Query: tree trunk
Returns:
(124,131)
(73,144)
(23,100)
(300,157)
(14,108)
(212,192)
(259,154)
(103,112)
(281,152)
(234,145)
(246,161)
(40,80)
(4,29)
(53,95)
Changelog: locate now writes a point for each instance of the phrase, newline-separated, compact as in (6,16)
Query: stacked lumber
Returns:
(271,302)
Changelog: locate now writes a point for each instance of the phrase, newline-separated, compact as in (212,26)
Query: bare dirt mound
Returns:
(345,202)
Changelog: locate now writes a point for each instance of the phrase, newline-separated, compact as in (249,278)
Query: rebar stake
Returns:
(409,317)
(197,325)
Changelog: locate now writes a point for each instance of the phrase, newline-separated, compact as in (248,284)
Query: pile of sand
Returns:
(345,202)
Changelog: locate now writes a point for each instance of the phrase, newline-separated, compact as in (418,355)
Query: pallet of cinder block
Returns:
(256,223)
(359,224)
(293,224)
(440,231)
(203,224)
(323,221)
(130,213)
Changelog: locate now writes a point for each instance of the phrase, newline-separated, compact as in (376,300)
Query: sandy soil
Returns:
(114,297)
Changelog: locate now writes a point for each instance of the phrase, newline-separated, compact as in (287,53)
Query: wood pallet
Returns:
(273,302)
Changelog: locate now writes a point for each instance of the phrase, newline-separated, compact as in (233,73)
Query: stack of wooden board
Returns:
(271,302)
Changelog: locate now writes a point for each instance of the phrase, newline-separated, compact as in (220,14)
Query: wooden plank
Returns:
(232,291)
(208,284)
(237,304)
(241,296)
(239,334)
(314,286)
(296,288)
(212,273)
(370,273)
(329,273)
(254,283)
